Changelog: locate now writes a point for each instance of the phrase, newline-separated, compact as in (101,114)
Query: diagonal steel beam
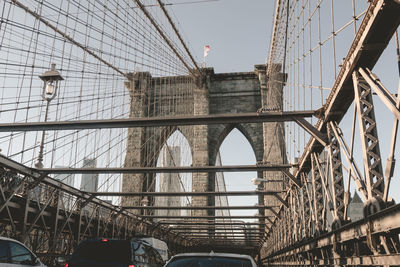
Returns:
(381,91)
(308,127)
(253,117)
(295,180)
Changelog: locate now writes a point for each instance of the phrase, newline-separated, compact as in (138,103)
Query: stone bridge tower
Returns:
(213,94)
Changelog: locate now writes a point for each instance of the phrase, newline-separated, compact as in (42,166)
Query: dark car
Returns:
(211,260)
(114,253)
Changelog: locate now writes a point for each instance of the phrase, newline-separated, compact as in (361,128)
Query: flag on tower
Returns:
(206,49)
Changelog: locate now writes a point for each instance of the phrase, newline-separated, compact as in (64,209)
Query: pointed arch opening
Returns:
(176,151)
(235,149)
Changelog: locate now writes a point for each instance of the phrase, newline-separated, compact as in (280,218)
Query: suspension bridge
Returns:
(111,128)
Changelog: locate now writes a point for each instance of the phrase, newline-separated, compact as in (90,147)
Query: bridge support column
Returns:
(138,85)
(200,181)
(274,134)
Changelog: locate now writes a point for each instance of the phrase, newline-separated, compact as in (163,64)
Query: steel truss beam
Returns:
(374,260)
(163,194)
(369,43)
(205,217)
(209,223)
(347,241)
(53,217)
(393,104)
(382,14)
(221,229)
(318,195)
(336,175)
(200,207)
(229,241)
(369,138)
(217,237)
(236,168)
(158,121)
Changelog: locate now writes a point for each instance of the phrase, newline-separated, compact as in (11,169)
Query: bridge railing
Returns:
(51,217)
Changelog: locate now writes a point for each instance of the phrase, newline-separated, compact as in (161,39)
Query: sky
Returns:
(238,33)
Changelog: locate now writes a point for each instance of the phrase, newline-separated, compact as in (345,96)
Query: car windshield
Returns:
(105,251)
(209,262)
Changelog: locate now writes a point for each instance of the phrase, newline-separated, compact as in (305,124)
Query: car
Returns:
(15,254)
(105,252)
(211,260)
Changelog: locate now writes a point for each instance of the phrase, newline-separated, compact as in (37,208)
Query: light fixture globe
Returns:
(144,201)
(258,181)
(50,79)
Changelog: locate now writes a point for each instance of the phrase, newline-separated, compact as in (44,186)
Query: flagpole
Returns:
(204,58)
(206,49)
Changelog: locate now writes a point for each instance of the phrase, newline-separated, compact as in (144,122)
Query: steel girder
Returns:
(351,238)
(369,138)
(336,175)
(51,220)
(374,240)
(159,121)
(318,196)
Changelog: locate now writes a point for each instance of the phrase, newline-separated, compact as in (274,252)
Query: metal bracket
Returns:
(384,94)
(296,181)
(308,127)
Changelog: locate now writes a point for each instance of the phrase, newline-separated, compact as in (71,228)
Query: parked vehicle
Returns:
(211,260)
(15,254)
(114,253)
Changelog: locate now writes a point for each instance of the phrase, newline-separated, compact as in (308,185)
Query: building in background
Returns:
(89,181)
(356,208)
(169,182)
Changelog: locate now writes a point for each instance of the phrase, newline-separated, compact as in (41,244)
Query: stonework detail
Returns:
(212,94)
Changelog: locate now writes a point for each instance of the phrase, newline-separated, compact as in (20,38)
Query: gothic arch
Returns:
(246,130)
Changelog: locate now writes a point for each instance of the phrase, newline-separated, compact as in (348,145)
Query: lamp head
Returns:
(144,201)
(256,181)
(50,79)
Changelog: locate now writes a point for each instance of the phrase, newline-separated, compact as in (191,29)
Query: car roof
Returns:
(101,240)
(10,239)
(213,254)
(16,241)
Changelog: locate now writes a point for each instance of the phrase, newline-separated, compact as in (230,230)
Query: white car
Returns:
(15,254)
(211,260)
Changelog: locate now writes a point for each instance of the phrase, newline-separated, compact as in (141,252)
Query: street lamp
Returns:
(144,202)
(258,181)
(50,80)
